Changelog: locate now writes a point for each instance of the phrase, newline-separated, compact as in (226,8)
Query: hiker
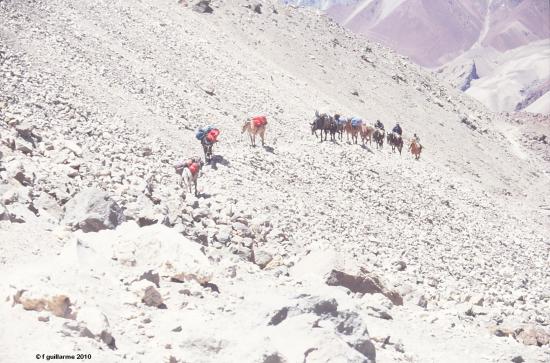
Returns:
(397,129)
(207,135)
(189,170)
(379,125)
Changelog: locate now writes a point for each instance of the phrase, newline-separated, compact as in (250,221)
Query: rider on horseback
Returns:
(379,125)
(397,129)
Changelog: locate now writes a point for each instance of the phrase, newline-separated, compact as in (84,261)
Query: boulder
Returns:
(365,283)
(47,206)
(533,336)
(24,146)
(4,213)
(58,305)
(73,147)
(262,258)
(18,172)
(94,324)
(241,251)
(143,212)
(92,210)
(157,248)
(151,297)
(202,7)
(223,235)
(321,330)
(9,216)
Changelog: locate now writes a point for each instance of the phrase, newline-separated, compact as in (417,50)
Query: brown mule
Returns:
(353,131)
(254,130)
(366,132)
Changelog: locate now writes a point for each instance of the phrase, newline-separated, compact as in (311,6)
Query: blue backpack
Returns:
(201,133)
(356,121)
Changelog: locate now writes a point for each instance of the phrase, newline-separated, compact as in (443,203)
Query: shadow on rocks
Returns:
(269,149)
(218,159)
(365,147)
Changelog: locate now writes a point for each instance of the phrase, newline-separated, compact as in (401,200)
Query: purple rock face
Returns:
(435,32)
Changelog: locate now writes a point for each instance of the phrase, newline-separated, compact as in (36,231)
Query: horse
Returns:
(415,148)
(396,141)
(254,130)
(340,124)
(190,174)
(378,137)
(326,124)
(352,130)
(366,132)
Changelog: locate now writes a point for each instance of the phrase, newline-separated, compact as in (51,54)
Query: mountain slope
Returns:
(509,81)
(433,33)
(452,35)
(115,91)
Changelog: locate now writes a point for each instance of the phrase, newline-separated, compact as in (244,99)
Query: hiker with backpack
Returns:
(207,135)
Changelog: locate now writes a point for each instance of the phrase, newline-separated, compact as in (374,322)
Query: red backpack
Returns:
(212,135)
(194,168)
(259,121)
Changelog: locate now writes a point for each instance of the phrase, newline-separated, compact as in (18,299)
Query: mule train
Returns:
(356,128)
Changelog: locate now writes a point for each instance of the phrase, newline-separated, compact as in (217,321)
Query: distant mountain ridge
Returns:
(321,4)
(435,32)
(449,36)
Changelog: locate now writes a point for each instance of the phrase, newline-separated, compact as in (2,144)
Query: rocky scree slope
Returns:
(107,96)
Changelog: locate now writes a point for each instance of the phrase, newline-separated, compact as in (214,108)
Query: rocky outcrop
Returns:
(344,326)
(92,210)
(58,305)
(469,77)
(203,6)
(365,284)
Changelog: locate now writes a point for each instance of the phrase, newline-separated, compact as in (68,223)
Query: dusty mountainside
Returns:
(433,33)
(507,40)
(299,251)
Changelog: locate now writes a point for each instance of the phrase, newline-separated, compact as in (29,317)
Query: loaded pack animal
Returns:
(340,124)
(415,148)
(255,126)
(378,137)
(353,127)
(366,132)
(395,141)
(189,171)
(326,124)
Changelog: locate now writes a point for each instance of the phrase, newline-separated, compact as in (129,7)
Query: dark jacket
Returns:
(379,125)
(397,130)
